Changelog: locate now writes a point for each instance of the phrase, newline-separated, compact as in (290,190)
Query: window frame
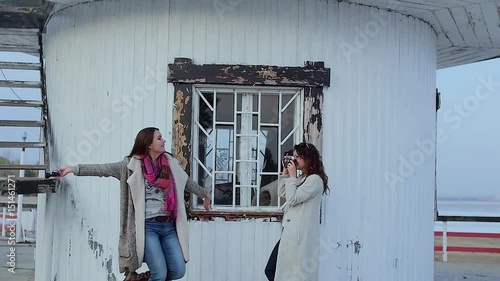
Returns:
(183,74)
(297,99)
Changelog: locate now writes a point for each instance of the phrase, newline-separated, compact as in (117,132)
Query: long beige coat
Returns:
(299,247)
(133,203)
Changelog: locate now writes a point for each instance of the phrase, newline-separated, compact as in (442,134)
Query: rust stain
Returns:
(193,81)
(268,73)
(179,138)
(395,265)
(313,126)
(96,247)
(238,80)
(357,247)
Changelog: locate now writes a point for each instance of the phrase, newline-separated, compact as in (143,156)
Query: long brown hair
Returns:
(142,141)
(310,154)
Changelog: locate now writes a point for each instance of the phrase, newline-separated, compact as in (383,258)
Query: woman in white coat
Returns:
(299,244)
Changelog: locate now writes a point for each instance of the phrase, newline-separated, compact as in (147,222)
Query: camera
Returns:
(287,160)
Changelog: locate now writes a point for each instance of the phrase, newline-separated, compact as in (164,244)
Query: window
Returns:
(239,136)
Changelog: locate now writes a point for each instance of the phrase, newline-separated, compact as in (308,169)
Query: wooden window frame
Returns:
(184,74)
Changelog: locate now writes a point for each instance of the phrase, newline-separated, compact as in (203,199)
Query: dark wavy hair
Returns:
(142,141)
(310,154)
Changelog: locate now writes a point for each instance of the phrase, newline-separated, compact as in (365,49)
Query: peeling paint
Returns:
(314,74)
(108,264)
(357,247)
(313,118)
(96,247)
(179,139)
(395,263)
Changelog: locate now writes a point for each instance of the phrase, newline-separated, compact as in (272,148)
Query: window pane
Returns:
(243,123)
(205,115)
(244,157)
(270,109)
(246,148)
(223,194)
(269,151)
(268,192)
(288,122)
(246,180)
(247,101)
(225,148)
(225,107)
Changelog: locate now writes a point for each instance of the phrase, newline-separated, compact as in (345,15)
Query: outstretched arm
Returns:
(99,170)
(195,188)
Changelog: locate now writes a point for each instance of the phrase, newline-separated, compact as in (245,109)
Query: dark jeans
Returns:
(271,263)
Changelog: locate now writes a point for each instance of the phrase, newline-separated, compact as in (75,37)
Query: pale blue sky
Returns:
(468,160)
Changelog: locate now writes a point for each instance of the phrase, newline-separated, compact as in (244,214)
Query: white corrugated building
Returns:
(366,97)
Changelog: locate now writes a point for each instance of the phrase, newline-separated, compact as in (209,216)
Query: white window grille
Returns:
(239,138)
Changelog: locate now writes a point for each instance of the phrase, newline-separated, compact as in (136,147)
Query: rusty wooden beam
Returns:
(313,118)
(235,215)
(20,123)
(35,185)
(20,65)
(19,32)
(7,144)
(29,49)
(313,74)
(20,84)
(182,125)
(21,167)
(23,103)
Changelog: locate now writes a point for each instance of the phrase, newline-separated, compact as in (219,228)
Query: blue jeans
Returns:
(163,253)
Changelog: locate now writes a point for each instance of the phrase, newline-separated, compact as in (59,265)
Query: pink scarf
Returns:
(160,175)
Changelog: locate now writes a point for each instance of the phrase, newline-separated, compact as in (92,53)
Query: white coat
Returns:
(299,247)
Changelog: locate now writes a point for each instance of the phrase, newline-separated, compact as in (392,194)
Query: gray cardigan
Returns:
(132,205)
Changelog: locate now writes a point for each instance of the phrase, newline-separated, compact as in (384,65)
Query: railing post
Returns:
(4,220)
(445,241)
(19,226)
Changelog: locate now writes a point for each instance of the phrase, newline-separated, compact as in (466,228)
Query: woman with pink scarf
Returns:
(153,220)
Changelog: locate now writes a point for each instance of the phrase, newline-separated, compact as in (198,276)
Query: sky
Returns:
(19,113)
(468,157)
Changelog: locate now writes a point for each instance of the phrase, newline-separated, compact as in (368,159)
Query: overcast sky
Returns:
(468,159)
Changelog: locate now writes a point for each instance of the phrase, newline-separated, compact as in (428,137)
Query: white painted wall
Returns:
(380,103)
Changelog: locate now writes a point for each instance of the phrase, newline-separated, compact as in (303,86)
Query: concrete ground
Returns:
(458,268)
(455,271)
(24,261)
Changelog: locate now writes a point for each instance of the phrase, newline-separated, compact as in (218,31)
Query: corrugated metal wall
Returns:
(106,75)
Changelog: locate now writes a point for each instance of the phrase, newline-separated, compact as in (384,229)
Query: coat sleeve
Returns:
(310,188)
(195,188)
(101,170)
